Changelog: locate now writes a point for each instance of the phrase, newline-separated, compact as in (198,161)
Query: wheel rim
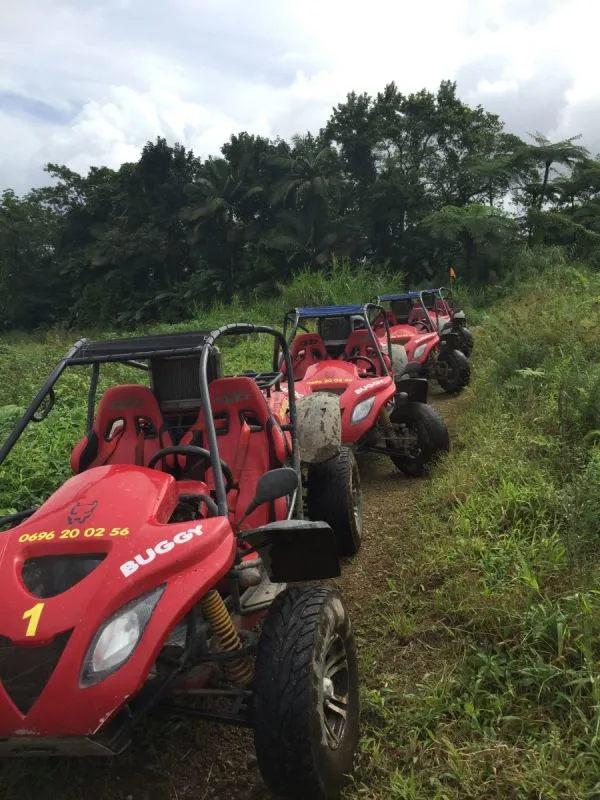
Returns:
(335,691)
(356,497)
(445,370)
(408,440)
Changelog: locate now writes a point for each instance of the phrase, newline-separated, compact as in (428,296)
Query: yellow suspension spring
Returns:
(228,638)
(388,429)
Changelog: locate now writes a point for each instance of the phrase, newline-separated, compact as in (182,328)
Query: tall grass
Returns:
(500,695)
(343,283)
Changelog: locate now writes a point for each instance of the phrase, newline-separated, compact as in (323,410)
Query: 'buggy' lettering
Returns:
(159,549)
(371,385)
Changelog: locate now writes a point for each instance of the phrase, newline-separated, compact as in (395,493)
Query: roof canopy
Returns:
(329,311)
(161,344)
(399,296)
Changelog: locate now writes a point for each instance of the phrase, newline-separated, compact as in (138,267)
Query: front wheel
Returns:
(306,725)
(454,371)
(422,436)
(333,495)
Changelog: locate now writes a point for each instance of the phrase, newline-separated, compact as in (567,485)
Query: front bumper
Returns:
(45,747)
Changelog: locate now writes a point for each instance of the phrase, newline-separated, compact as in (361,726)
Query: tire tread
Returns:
(284,727)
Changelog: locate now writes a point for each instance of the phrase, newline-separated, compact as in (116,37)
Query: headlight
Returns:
(118,637)
(419,351)
(362,410)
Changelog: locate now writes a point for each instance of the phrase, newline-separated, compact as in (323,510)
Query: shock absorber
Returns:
(388,429)
(216,614)
(396,436)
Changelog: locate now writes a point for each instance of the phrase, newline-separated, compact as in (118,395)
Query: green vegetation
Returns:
(480,660)
(413,184)
(489,684)
(40,460)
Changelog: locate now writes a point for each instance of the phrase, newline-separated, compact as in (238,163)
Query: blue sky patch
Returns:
(13,102)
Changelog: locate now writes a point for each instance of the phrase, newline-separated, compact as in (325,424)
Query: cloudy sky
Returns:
(87,82)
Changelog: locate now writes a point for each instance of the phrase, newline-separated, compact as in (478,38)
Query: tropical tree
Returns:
(403,182)
(30,289)
(479,236)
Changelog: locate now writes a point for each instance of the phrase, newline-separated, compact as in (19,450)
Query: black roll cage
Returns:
(417,295)
(292,319)
(131,352)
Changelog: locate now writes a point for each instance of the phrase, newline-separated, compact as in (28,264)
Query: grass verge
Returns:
(482,656)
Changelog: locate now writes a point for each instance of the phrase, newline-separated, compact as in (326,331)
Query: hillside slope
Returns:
(475,597)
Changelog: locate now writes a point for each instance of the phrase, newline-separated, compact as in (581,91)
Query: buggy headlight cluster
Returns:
(118,637)
(419,351)
(362,410)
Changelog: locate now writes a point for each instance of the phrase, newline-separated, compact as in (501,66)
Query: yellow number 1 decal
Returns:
(33,615)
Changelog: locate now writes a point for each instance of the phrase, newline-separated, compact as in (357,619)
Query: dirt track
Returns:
(185,760)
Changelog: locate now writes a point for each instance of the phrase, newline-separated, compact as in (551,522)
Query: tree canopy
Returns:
(414,183)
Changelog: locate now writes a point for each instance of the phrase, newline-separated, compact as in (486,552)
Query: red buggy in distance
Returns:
(381,412)
(447,317)
(412,320)
(141,580)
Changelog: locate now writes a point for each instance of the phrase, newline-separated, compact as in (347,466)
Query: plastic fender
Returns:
(430,340)
(187,557)
(416,390)
(382,389)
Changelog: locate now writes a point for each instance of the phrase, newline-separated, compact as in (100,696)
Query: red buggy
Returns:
(383,410)
(413,322)
(447,317)
(142,579)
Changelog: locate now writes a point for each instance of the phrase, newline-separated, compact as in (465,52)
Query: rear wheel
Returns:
(454,371)
(306,724)
(424,437)
(333,494)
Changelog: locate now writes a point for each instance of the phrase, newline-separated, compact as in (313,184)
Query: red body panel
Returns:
(95,503)
(342,377)
(410,338)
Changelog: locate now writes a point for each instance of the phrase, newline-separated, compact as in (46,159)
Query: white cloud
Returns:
(502,86)
(117,73)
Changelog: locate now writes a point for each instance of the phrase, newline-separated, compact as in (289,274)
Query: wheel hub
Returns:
(406,439)
(335,692)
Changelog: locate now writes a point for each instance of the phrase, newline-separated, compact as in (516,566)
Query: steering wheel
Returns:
(369,361)
(420,324)
(204,459)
